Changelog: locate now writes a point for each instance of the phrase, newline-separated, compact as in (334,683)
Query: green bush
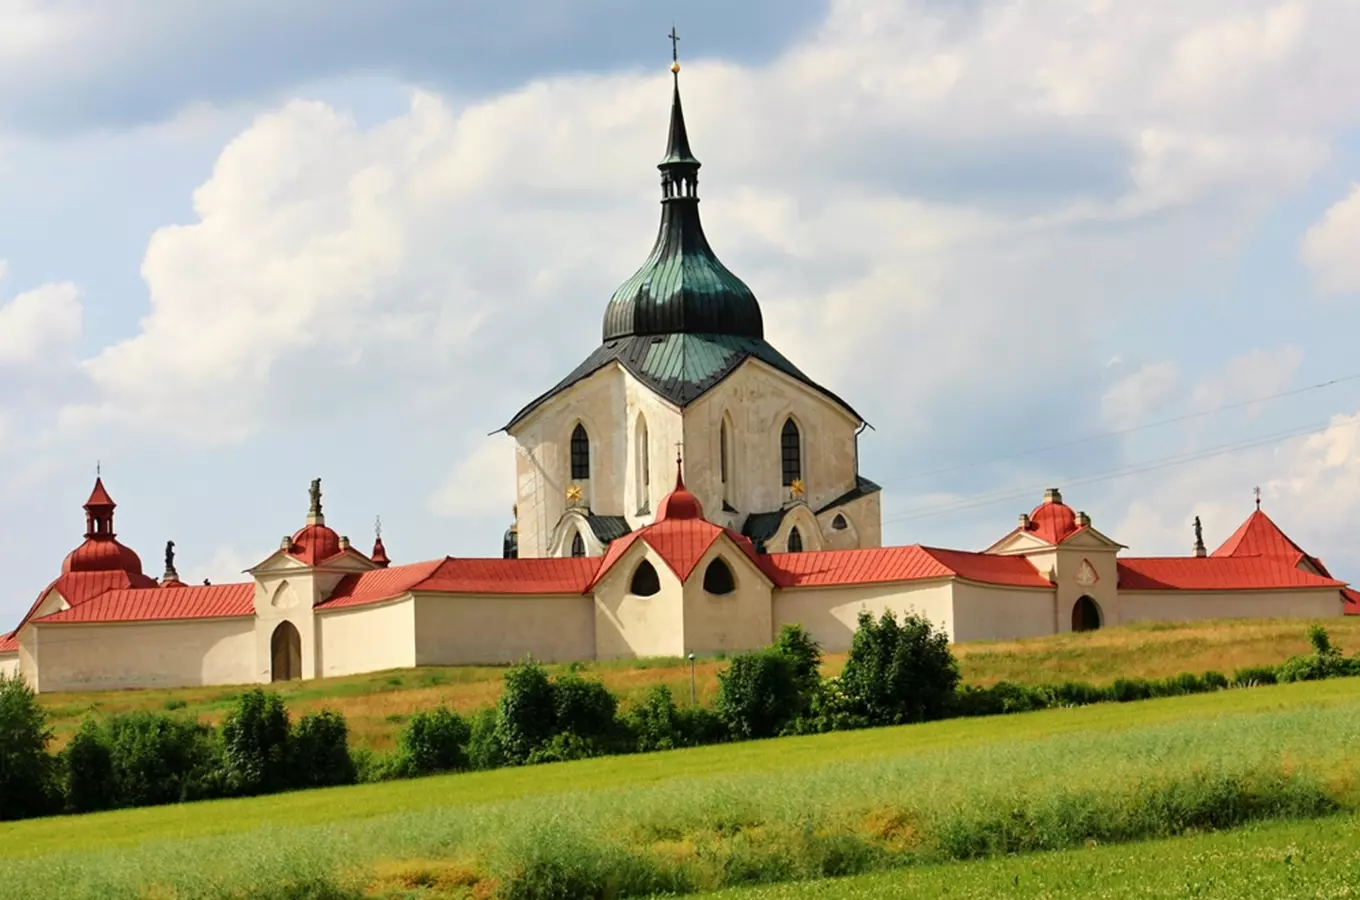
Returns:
(655,723)
(159,759)
(527,712)
(806,656)
(897,674)
(28,775)
(1250,676)
(434,742)
(1127,690)
(88,761)
(1325,661)
(255,744)
(758,694)
(320,751)
(484,747)
(1215,681)
(584,708)
(1079,693)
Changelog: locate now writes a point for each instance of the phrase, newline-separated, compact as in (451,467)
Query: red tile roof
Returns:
(199,602)
(99,497)
(887,564)
(1215,573)
(9,643)
(314,544)
(1351,602)
(1259,536)
(1052,521)
(572,575)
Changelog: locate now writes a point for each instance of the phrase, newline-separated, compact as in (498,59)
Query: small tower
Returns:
(379,555)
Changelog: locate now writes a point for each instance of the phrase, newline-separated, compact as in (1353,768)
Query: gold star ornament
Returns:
(796,488)
(574,494)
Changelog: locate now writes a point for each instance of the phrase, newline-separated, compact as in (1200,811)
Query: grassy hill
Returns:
(377,705)
(761,811)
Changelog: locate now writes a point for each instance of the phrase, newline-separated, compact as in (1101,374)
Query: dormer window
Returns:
(580,454)
(791,453)
(578,545)
(795,542)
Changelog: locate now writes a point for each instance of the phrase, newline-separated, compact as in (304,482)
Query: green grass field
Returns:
(712,817)
(377,705)
(1317,858)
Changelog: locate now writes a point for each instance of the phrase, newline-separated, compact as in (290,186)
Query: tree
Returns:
(28,784)
(527,712)
(89,770)
(434,741)
(319,748)
(899,673)
(255,744)
(758,694)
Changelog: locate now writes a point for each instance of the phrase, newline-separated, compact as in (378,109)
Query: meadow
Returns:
(792,809)
(377,705)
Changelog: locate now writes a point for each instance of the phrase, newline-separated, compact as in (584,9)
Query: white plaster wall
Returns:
(985,612)
(665,429)
(114,655)
(466,629)
(367,638)
(543,456)
(728,623)
(628,626)
(286,593)
(830,614)
(758,399)
(1313,603)
(9,664)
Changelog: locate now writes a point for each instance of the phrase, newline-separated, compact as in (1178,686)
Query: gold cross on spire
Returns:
(675,44)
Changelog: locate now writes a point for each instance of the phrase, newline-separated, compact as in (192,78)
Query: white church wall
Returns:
(986,612)
(830,614)
(467,629)
(728,623)
(286,592)
(543,456)
(664,429)
(366,638)
(758,399)
(864,519)
(9,664)
(1136,606)
(628,626)
(116,655)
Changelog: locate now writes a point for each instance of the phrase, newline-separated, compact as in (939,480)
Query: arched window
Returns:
(718,578)
(839,523)
(722,454)
(578,545)
(580,453)
(645,582)
(285,651)
(644,468)
(791,452)
(1085,615)
(795,540)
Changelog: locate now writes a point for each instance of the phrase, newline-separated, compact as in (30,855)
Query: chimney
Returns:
(1083,520)
(286,543)
(1024,521)
(1052,495)
(344,542)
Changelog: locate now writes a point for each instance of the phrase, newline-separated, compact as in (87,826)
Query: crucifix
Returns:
(675,44)
(377,527)
(1257,492)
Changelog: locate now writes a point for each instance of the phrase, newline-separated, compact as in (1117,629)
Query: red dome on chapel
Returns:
(679,503)
(101,551)
(313,543)
(1052,520)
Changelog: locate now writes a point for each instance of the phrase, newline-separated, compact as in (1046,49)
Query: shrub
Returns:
(584,708)
(320,751)
(1127,690)
(758,694)
(28,775)
(527,712)
(900,673)
(1325,661)
(434,742)
(1250,676)
(1079,693)
(88,761)
(255,744)
(1215,681)
(655,723)
(160,759)
(562,747)
(484,747)
(806,656)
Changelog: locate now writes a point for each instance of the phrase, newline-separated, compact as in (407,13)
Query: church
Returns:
(685,489)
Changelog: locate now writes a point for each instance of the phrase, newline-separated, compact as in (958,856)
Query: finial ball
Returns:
(675,68)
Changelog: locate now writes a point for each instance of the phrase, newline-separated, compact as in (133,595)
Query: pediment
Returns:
(1018,542)
(1090,539)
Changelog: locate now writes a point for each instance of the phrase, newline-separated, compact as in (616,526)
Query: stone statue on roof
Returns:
(169,556)
(1199,536)
(315,492)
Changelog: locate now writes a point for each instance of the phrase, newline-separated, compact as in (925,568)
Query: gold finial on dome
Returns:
(675,68)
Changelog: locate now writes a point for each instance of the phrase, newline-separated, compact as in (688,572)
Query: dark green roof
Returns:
(760,527)
(680,367)
(863,488)
(607,528)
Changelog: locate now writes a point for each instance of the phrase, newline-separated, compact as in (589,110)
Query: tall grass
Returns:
(775,821)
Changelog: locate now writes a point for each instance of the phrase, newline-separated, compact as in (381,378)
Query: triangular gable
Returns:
(1260,536)
(1019,541)
(1087,537)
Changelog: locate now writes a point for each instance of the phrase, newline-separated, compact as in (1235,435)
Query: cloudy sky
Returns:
(1112,247)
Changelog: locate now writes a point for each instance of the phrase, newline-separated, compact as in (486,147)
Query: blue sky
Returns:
(246,244)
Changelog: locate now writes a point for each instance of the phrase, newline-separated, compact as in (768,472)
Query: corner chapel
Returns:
(621,550)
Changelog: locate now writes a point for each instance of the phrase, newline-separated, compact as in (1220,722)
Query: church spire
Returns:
(679,168)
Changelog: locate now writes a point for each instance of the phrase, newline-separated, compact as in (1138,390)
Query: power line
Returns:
(1123,431)
(1112,474)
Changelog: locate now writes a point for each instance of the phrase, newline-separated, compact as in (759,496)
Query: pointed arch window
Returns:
(645,582)
(722,453)
(580,453)
(644,467)
(795,541)
(791,452)
(718,578)
(578,545)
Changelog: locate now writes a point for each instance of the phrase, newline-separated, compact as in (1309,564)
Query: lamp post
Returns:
(691,679)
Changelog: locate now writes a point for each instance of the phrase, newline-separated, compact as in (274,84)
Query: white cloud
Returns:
(40,326)
(1331,247)
(1131,399)
(225,567)
(481,484)
(1258,373)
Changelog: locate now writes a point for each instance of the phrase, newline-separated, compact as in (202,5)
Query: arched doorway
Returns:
(285,650)
(1085,615)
